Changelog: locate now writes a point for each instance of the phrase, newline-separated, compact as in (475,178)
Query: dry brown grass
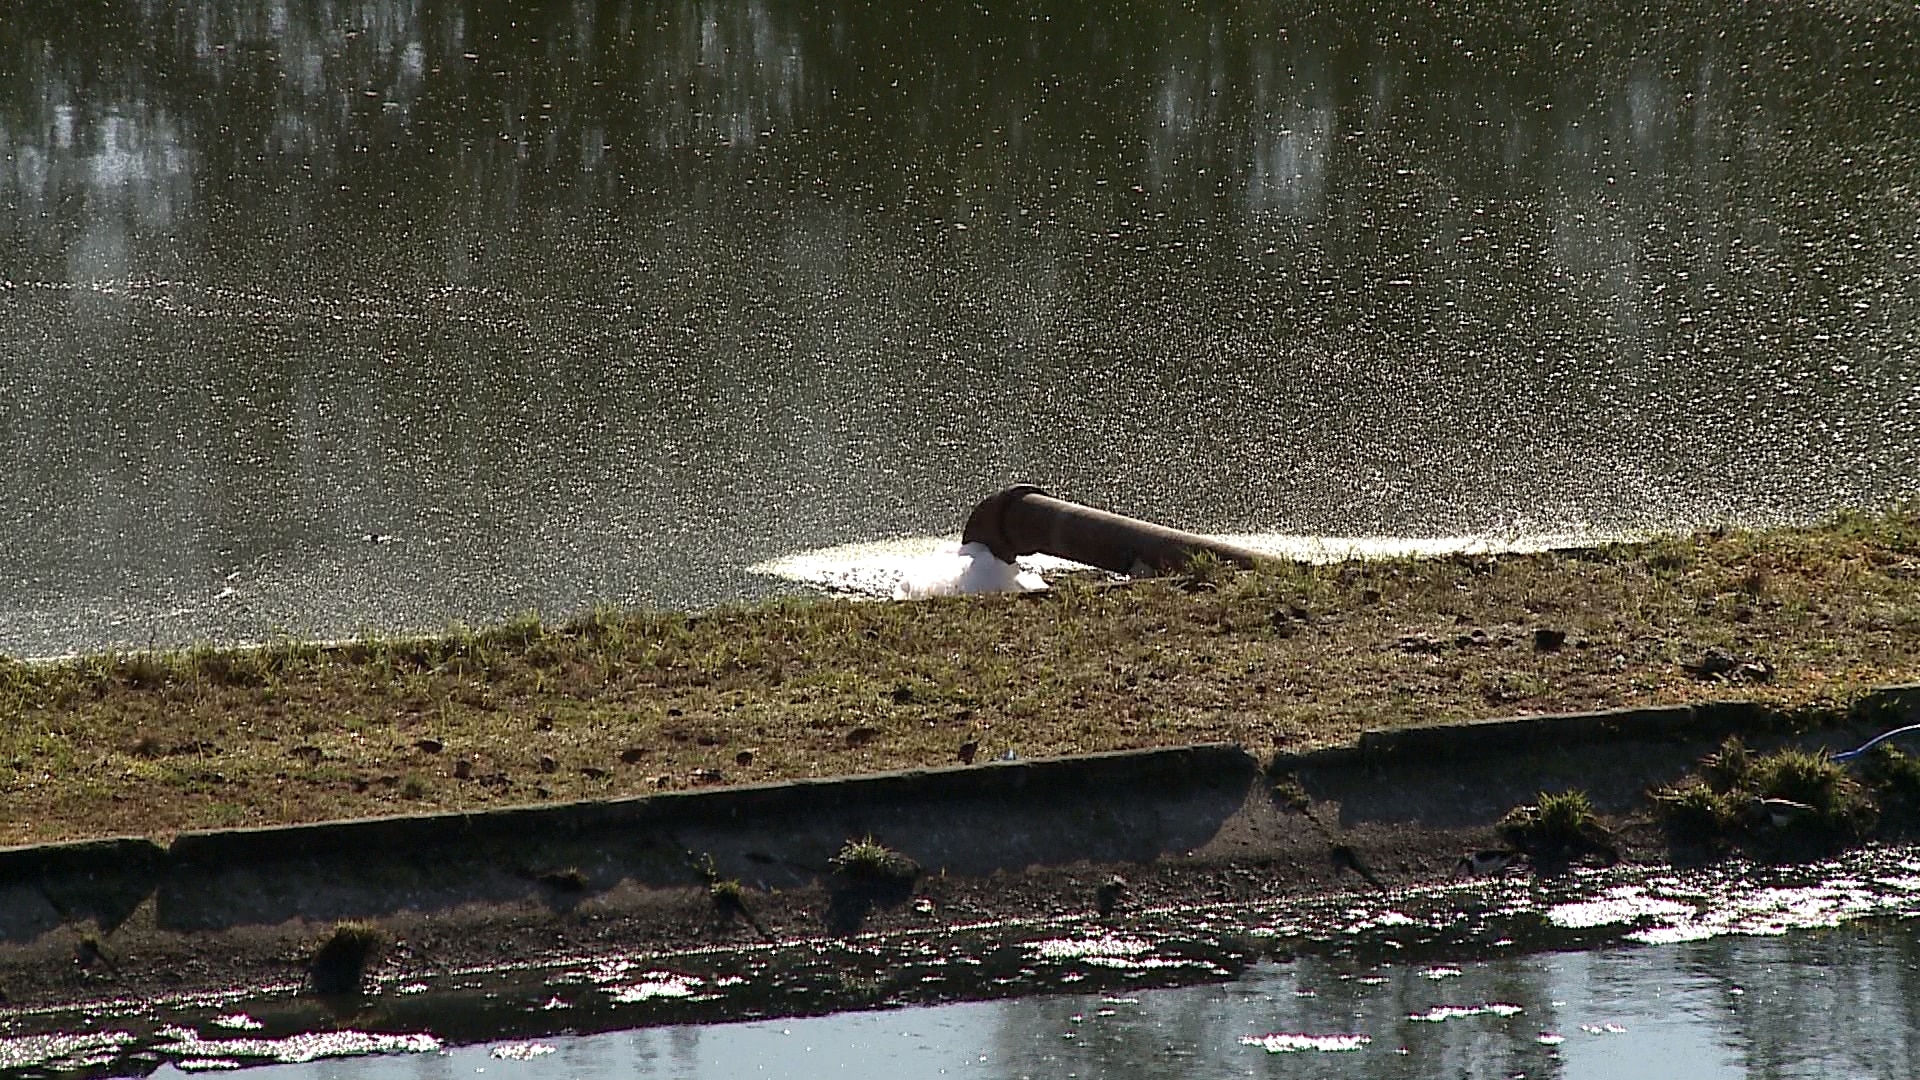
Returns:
(626,703)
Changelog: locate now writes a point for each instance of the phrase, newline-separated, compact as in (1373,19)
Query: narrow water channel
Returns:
(1731,970)
(1837,1003)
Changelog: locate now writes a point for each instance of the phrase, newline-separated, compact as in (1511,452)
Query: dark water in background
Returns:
(323,317)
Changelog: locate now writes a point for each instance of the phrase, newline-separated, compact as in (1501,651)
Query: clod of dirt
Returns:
(1720,665)
(1420,644)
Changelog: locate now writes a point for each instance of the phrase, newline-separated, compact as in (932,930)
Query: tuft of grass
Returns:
(728,897)
(1290,793)
(1814,779)
(1893,776)
(1558,828)
(869,861)
(339,965)
(1790,803)
(1694,814)
(1205,571)
(1567,813)
(569,880)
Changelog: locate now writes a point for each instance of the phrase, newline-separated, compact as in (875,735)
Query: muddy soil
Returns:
(77,965)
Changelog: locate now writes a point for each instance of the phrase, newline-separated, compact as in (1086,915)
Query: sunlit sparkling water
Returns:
(321,319)
(1793,1006)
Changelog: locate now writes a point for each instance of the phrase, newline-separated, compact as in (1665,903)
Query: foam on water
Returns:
(1291,1043)
(911,568)
(914,567)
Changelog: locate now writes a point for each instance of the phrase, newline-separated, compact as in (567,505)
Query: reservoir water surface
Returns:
(324,318)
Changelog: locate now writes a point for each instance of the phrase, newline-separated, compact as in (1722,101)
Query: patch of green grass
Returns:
(1893,776)
(1206,571)
(868,860)
(1290,793)
(1557,828)
(1814,779)
(1787,803)
(1693,813)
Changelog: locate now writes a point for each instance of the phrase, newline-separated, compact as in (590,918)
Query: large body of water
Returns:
(330,317)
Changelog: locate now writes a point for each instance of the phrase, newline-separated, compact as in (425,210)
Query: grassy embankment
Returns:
(617,703)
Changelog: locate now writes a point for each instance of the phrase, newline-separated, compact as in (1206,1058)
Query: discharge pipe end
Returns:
(1024,520)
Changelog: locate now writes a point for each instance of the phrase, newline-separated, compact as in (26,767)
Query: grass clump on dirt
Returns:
(1787,803)
(569,880)
(618,702)
(1894,778)
(728,896)
(339,966)
(868,861)
(1557,830)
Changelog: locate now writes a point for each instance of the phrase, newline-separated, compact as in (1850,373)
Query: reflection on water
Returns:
(325,318)
(1731,969)
(1803,1005)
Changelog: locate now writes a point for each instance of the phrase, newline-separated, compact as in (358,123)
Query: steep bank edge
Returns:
(217,895)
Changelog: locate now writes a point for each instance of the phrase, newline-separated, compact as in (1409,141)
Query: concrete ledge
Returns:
(1674,723)
(50,885)
(1038,779)
(115,854)
(1125,806)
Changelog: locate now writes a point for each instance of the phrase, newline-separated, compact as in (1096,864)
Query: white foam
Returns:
(910,568)
(936,566)
(967,568)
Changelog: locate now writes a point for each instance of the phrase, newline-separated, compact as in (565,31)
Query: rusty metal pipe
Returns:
(1024,520)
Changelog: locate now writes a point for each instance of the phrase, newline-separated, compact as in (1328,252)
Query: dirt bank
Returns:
(1107,833)
(622,703)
